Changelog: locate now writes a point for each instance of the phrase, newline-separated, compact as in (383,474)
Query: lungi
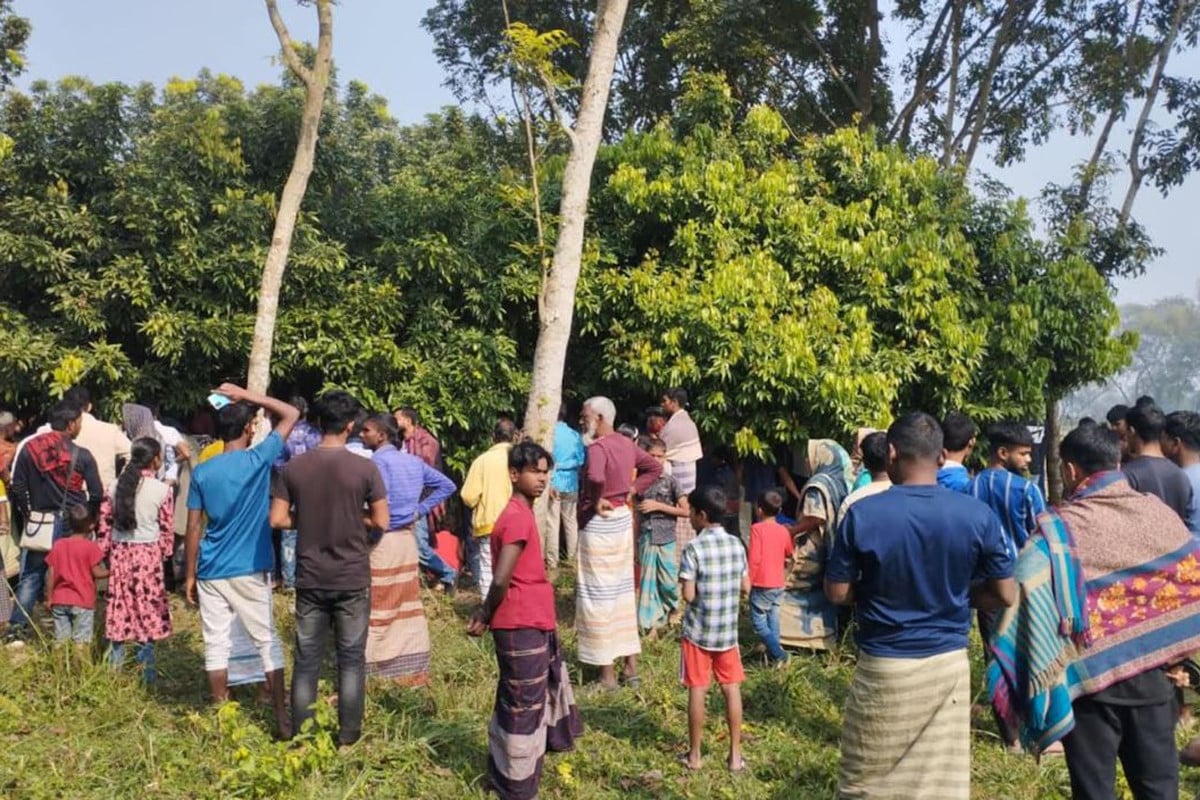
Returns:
(807,620)
(907,731)
(605,602)
(535,711)
(398,637)
(658,587)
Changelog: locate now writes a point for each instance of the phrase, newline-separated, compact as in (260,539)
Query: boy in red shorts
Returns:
(714,576)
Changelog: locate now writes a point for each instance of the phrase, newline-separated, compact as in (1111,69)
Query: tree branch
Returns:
(903,123)
(286,47)
(833,70)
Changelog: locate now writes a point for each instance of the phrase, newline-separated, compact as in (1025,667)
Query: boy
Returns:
(660,507)
(770,548)
(1002,486)
(535,709)
(74,564)
(958,436)
(713,572)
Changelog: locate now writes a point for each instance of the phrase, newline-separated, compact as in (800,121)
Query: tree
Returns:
(14,34)
(315,78)
(556,301)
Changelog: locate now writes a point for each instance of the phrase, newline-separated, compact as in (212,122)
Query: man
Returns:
(913,560)
(8,443)
(486,491)
(417,441)
(682,438)
(414,489)
(874,453)
(1015,501)
(656,420)
(1146,468)
(958,434)
(1108,600)
(322,494)
(229,572)
(1181,444)
(51,471)
(1116,421)
(605,601)
(562,507)
(107,443)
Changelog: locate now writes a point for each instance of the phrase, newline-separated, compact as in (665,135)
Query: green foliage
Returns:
(14,34)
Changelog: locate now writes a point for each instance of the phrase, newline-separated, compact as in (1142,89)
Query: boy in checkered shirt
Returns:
(714,577)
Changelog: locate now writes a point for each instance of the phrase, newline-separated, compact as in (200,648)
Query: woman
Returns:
(137,532)
(807,618)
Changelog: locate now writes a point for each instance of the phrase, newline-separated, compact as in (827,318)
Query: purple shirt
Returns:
(407,478)
(611,463)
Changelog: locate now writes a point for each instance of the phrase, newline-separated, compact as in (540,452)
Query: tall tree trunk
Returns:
(1137,173)
(872,52)
(1052,437)
(556,309)
(316,83)
(956,20)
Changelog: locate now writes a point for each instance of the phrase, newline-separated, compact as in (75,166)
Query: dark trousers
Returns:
(350,615)
(1143,737)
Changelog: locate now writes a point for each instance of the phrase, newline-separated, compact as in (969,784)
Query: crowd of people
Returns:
(1089,611)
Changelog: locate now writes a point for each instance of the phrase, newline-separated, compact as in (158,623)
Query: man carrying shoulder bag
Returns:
(50,472)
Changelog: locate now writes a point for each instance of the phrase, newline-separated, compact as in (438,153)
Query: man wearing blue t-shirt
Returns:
(229,570)
(958,442)
(913,560)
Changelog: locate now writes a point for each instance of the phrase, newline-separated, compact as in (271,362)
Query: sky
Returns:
(381,43)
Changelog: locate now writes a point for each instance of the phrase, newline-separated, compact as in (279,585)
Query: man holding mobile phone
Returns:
(229,570)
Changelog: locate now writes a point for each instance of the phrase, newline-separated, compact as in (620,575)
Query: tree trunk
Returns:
(1051,439)
(872,50)
(316,83)
(956,19)
(557,307)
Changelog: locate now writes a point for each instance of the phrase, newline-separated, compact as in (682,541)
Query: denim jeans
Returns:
(144,657)
(349,612)
(470,544)
(428,557)
(73,623)
(287,558)
(764,616)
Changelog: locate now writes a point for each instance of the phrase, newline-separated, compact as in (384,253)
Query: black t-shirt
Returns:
(330,489)
(1161,478)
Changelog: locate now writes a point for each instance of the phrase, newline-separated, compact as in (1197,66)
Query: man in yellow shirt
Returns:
(486,491)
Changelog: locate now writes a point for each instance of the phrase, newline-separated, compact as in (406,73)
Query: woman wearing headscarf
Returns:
(807,618)
(138,423)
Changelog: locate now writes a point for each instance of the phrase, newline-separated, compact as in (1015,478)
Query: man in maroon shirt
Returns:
(605,601)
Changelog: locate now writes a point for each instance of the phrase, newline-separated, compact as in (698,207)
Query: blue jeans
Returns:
(428,557)
(144,657)
(73,623)
(349,614)
(764,616)
(287,558)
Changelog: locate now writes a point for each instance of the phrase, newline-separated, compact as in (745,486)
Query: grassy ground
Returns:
(69,728)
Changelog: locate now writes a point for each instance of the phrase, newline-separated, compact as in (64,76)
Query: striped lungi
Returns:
(398,637)
(535,711)
(605,602)
(907,732)
(658,585)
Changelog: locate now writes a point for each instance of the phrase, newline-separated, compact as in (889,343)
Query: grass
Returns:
(72,728)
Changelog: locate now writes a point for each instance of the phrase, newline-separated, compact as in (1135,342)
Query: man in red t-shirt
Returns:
(519,608)
(770,547)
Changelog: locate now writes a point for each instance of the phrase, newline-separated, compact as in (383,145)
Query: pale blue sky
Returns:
(381,43)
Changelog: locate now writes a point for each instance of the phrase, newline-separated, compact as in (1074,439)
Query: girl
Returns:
(137,532)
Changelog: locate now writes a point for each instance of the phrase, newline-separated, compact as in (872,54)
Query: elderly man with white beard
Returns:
(605,601)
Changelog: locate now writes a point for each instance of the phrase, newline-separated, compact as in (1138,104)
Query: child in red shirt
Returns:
(534,689)
(771,547)
(74,563)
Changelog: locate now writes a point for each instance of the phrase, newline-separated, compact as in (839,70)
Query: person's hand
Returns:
(232,391)
(648,506)
(189,591)
(182,452)
(553,493)
(477,624)
(603,507)
(1178,676)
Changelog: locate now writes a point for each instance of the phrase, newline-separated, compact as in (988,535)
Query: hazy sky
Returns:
(381,43)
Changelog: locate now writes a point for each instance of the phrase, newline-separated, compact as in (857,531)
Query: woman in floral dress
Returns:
(137,532)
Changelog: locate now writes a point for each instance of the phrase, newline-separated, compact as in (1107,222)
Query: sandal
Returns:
(632,681)
(685,758)
(740,766)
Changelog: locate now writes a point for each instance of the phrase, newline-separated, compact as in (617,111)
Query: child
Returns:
(137,532)
(535,709)
(659,507)
(771,547)
(713,572)
(74,564)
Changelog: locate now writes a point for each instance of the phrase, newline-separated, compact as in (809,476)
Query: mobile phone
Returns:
(218,401)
